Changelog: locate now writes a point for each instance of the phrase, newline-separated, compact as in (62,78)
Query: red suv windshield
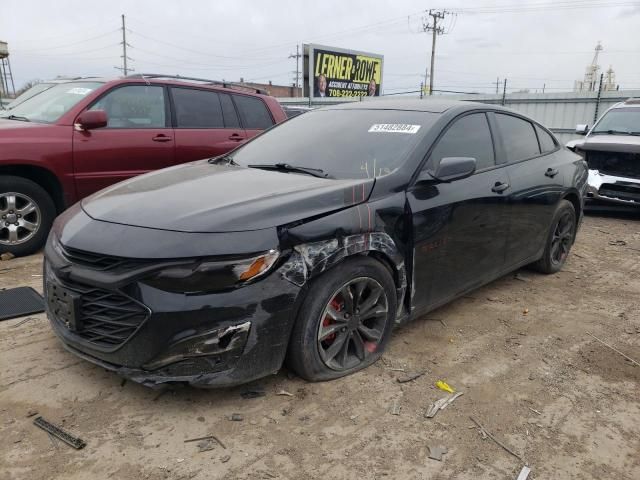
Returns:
(50,105)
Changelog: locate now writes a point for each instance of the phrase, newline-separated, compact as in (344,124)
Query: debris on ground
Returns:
(615,349)
(225,458)
(206,445)
(236,417)
(436,452)
(208,437)
(525,311)
(522,278)
(22,322)
(395,408)
(31,413)
(524,473)
(441,404)
(411,377)
(442,385)
(57,432)
(284,393)
(535,411)
(485,433)
(617,243)
(253,393)
(5,257)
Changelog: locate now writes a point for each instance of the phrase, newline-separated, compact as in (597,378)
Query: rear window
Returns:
(518,137)
(197,108)
(254,112)
(546,141)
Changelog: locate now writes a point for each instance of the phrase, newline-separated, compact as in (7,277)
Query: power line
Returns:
(435,30)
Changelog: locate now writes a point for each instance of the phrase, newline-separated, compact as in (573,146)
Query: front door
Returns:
(460,228)
(136,140)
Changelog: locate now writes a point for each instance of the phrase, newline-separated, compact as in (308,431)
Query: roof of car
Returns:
(410,104)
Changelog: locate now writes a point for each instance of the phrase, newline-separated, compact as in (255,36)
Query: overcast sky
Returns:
(531,43)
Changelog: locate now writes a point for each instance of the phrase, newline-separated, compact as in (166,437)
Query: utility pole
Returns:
(497,85)
(297,56)
(504,92)
(125,68)
(436,30)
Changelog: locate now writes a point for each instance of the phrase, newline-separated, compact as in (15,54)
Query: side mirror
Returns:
(582,129)
(91,119)
(453,168)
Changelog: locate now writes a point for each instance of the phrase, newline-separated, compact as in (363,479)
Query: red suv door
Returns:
(206,123)
(137,139)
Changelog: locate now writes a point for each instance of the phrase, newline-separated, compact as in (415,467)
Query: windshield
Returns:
(343,143)
(50,105)
(31,92)
(621,120)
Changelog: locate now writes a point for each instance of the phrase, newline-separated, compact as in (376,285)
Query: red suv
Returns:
(80,136)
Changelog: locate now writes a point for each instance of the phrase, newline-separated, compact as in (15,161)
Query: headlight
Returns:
(209,276)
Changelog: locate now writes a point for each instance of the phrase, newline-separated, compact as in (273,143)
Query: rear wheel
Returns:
(344,322)
(26,214)
(559,240)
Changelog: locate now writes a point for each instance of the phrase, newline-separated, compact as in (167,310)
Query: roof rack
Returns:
(206,81)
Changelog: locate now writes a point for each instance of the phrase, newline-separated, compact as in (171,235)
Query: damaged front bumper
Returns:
(613,189)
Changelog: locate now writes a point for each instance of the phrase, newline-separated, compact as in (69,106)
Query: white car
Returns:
(612,151)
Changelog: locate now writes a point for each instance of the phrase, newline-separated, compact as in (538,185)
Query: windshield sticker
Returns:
(394,128)
(79,91)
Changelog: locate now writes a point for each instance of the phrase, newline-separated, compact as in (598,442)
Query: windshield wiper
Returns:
(285,167)
(616,132)
(17,117)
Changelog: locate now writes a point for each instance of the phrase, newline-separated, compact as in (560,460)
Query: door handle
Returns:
(161,138)
(499,187)
(551,172)
(236,138)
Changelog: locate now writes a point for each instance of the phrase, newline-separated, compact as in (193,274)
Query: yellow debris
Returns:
(443,386)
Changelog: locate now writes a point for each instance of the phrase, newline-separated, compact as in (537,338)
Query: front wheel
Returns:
(26,215)
(559,240)
(344,322)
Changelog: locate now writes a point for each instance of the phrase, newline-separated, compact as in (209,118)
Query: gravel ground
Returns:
(518,349)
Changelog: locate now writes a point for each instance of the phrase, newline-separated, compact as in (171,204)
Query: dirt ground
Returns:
(518,349)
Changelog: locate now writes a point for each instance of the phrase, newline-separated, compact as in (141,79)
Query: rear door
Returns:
(460,228)
(535,171)
(137,139)
(254,114)
(206,123)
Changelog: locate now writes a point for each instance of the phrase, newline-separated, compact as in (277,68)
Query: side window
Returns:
(518,137)
(197,108)
(468,137)
(253,112)
(229,112)
(134,106)
(547,143)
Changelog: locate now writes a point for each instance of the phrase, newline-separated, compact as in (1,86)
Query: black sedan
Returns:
(310,242)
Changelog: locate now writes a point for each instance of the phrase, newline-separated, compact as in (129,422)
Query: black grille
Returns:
(96,261)
(621,164)
(623,192)
(104,318)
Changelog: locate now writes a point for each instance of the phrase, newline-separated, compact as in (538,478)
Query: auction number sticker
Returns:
(79,91)
(394,128)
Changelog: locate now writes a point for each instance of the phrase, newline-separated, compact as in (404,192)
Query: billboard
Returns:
(335,72)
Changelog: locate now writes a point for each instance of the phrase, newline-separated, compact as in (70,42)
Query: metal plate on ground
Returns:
(19,302)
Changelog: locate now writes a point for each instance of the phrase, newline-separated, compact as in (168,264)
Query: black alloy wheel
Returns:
(559,240)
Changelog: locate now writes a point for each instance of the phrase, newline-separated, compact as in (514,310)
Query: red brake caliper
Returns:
(337,306)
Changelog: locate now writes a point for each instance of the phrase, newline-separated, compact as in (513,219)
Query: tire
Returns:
(26,215)
(325,310)
(562,233)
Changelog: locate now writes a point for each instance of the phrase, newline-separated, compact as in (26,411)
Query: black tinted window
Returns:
(197,108)
(253,112)
(134,106)
(468,137)
(518,137)
(229,112)
(546,141)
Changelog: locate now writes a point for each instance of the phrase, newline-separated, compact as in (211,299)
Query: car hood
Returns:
(206,198)
(611,143)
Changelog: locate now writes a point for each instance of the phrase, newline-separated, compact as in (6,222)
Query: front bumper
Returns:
(209,340)
(613,189)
